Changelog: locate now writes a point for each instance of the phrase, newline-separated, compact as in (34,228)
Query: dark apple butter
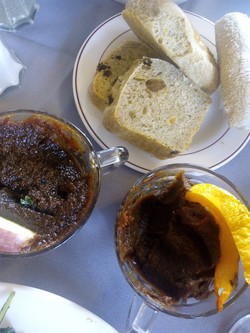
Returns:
(172,243)
(43,186)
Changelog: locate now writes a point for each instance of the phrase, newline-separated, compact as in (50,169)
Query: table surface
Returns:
(85,268)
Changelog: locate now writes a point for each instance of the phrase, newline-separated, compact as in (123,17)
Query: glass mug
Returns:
(144,309)
(49,182)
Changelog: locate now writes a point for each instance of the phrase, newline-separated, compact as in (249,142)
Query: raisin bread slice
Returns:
(113,66)
(157,108)
(164,26)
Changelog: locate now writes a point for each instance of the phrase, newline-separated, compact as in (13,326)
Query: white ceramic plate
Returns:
(213,146)
(34,310)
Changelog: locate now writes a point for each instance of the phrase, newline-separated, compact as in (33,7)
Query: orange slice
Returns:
(233,218)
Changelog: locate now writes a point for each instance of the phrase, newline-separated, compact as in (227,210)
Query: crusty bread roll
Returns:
(114,65)
(164,26)
(157,108)
(232,33)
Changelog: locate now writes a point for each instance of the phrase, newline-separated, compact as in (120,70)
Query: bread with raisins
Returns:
(166,28)
(157,108)
(114,65)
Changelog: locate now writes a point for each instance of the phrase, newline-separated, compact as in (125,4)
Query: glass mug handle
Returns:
(112,158)
(141,317)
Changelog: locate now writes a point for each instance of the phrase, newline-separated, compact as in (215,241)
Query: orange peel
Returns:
(233,217)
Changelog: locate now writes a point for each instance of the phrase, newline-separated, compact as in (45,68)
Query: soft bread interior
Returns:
(157,108)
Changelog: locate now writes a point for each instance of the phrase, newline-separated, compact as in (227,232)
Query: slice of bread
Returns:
(165,27)
(157,108)
(113,66)
(232,33)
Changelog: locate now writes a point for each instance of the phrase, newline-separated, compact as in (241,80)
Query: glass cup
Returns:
(49,182)
(141,317)
(14,13)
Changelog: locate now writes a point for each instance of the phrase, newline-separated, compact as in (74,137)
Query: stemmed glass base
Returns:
(242,325)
